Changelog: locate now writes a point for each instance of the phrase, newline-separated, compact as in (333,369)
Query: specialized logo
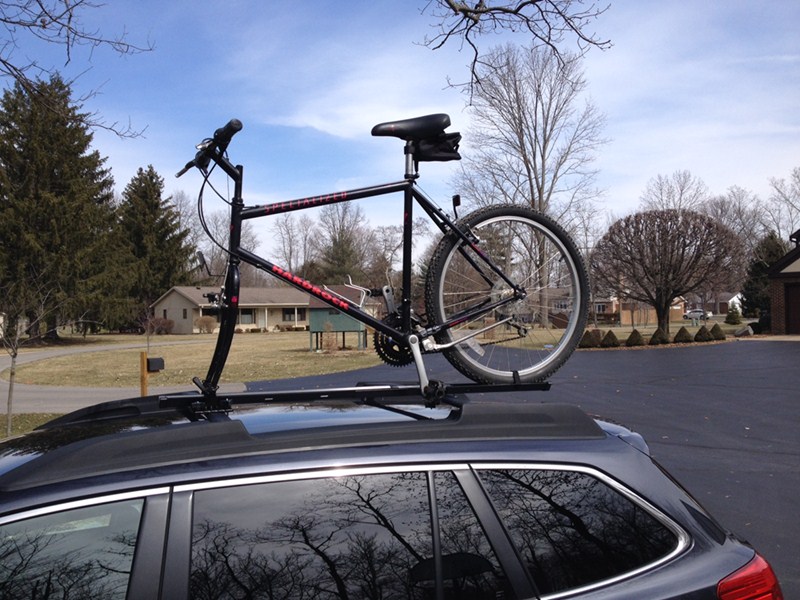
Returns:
(310,202)
(311,288)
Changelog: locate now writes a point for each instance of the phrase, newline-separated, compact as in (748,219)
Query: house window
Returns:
(289,314)
(165,313)
(246,316)
(600,308)
(185,314)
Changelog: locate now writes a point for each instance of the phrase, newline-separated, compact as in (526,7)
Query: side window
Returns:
(342,537)
(573,529)
(79,553)
(364,536)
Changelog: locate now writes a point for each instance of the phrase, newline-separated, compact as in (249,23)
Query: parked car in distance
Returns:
(698,313)
(349,499)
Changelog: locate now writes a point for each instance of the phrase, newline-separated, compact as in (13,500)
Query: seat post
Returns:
(411,172)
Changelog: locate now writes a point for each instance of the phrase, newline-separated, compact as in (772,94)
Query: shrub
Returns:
(734,317)
(329,342)
(683,336)
(591,339)
(609,340)
(634,339)
(160,326)
(206,324)
(717,333)
(703,335)
(658,337)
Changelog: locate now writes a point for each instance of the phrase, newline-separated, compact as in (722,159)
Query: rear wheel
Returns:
(529,332)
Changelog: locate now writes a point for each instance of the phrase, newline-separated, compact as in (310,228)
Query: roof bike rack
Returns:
(370,393)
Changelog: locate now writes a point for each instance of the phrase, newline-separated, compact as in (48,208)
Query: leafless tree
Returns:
(533,140)
(25,309)
(782,209)
(548,22)
(58,22)
(660,255)
(679,191)
(295,242)
(742,212)
(214,245)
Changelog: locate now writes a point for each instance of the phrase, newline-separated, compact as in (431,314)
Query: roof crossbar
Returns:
(367,392)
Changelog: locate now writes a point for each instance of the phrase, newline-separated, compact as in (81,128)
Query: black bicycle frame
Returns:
(229,301)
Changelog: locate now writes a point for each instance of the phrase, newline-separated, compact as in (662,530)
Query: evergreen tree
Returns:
(755,293)
(56,211)
(159,246)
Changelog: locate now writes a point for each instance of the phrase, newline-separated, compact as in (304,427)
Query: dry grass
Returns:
(23,423)
(253,357)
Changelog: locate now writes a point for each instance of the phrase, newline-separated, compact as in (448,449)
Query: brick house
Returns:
(784,290)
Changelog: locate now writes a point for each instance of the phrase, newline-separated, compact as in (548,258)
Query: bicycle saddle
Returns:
(418,128)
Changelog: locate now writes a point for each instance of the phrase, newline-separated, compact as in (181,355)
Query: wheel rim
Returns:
(540,331)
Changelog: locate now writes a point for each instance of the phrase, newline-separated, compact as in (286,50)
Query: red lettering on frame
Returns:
(309,287)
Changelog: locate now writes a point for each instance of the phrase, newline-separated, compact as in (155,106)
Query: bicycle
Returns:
(505,292)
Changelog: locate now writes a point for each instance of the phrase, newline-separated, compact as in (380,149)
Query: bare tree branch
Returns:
(56,22)
(549,23)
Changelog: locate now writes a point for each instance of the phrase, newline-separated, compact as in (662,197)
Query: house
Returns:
(784,288)
(259,308)
(632,313)
(717,302)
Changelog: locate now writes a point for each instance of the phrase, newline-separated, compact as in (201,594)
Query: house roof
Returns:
(248,296)
(789,265)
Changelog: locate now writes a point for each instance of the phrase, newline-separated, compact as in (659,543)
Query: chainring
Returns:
(389,351)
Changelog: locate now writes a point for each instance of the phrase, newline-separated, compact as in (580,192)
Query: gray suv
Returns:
(355,499)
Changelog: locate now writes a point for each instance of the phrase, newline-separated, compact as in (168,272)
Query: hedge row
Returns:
(594,338)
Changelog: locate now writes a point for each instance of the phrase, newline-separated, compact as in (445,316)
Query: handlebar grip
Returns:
(223,135)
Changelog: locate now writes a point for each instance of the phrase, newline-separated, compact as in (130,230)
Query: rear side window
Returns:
(355,536)
(574,530)
(80,553)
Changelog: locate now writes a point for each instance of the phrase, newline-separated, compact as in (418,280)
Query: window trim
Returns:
(319,474)
(84,503)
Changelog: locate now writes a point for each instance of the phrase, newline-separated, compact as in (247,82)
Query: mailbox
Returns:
(154,365)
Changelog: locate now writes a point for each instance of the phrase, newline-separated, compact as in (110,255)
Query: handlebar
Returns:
(209,146)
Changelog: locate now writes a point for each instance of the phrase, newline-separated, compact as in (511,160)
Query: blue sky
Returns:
(712,87)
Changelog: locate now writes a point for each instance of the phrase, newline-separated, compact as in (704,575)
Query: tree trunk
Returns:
(11,376)
(662,314)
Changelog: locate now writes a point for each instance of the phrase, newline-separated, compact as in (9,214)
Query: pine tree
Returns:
(755,292)
(151,227)
(56,211)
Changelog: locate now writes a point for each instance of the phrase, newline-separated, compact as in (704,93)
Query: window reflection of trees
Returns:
(81,553)
(348,538)
(572,529)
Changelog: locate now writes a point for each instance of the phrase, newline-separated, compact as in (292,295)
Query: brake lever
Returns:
(201,159)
